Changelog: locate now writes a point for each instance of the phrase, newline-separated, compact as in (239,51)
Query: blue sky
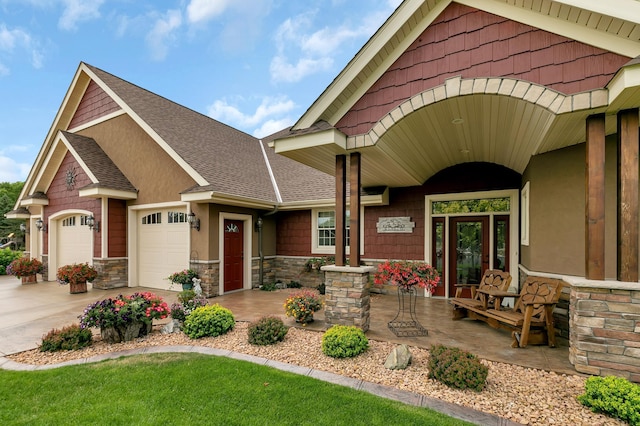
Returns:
(256,65)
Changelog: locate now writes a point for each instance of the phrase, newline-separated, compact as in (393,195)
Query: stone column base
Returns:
(347,300)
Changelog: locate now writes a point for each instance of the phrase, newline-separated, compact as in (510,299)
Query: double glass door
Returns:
(463,247)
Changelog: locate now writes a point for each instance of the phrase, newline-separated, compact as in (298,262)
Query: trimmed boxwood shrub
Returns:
(70,338)
(613,396)
(267,331)
(344,341)
(457,368)
(208,321)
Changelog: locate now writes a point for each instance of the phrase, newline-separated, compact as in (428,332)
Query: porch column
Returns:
(341,203)
(354,220)
(628,195)
(594,197)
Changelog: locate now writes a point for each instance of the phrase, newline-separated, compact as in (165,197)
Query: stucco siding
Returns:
(557,212)
(156,176)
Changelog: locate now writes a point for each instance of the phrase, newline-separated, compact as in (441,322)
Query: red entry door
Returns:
(233,255)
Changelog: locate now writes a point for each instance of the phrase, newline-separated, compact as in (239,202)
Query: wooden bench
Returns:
(493,279)
(531,319)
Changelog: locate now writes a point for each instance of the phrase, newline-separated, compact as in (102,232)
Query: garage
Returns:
(163,246)
(74,241)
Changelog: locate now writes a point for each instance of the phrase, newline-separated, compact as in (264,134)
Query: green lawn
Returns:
(164,389)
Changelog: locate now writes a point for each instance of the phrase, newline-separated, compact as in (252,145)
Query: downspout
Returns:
(260,252)
(272,212)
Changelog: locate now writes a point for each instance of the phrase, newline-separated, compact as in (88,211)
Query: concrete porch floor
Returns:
(29,311)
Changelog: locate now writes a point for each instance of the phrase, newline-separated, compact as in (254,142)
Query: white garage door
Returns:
(74,241)
(163,246)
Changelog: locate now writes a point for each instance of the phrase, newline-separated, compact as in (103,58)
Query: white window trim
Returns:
(331,250)
(524,214)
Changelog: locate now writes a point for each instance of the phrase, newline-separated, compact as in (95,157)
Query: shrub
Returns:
(268,287)
(189,301)
(294,284)
(613,396)
(212,320)
(186,295)
(344,341)
(70,338)
(456,368)
(6,257)
(267,331)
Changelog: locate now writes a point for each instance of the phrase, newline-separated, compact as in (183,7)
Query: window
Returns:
(325,231)
(152,218)
(177,217)
(70,221)
(83,220)
(524,215)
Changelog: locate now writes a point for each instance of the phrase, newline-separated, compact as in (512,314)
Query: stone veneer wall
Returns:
(347,298)
(209,273)
(605,328)
(45,267)
(268,271)
(291,268)
(112,273)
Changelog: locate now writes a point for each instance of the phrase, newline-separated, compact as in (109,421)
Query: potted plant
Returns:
(124,318)
(407,276)
(76,275)
(184,278)
(25,268)
(302,304)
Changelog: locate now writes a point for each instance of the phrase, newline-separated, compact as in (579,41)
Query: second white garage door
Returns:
(163,246)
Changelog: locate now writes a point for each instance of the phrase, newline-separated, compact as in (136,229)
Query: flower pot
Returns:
(305,319)
(125,332)
(187,286)
(30,279)
(80,287)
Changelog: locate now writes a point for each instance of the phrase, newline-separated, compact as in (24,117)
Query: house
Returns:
(506,135)
(472,134)
(141,187)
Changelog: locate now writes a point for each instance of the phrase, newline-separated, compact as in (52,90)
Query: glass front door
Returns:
(468,250)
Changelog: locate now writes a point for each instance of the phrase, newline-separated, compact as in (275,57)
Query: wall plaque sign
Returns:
(395,225)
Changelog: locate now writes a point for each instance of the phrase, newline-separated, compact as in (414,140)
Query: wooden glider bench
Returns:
(493,279)
(531,319)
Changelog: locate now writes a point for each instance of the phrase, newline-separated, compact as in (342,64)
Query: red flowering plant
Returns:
(76,273)
(407,275)
(24,267)
(120,311)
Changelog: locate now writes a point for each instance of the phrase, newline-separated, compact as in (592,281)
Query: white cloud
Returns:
(269,127)
(281,70)
(12,171)
(204,10)
(12,39)
(76,11)
(302,52)
(270,110)
(163,33)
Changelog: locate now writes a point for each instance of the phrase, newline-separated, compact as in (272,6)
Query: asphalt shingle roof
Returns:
(99,164)
(231,161)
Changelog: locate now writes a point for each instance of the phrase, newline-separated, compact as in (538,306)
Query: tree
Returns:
(9,193)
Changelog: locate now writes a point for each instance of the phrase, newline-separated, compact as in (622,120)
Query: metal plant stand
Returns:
(405,324)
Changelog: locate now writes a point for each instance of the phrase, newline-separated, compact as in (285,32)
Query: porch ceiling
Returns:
(480,127)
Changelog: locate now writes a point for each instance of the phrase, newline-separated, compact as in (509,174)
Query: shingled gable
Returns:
(230,164)
(431,64)
(106,177)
